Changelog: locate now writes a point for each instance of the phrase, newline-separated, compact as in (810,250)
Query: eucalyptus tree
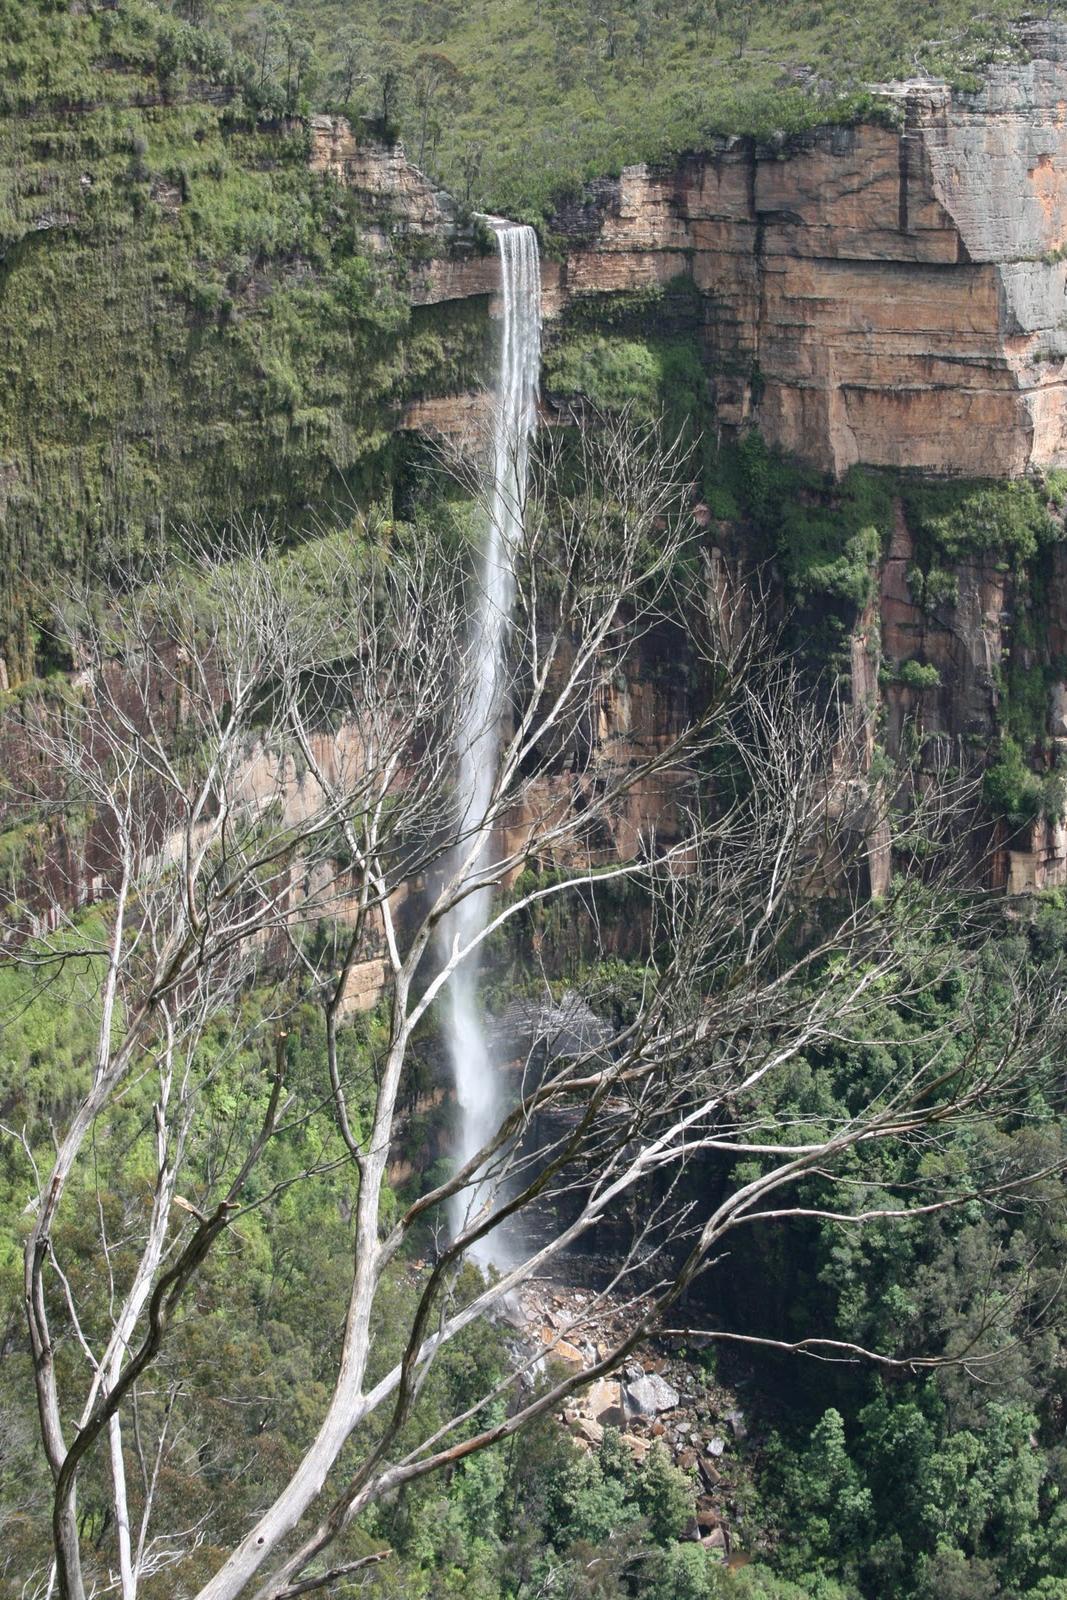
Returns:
(264,745)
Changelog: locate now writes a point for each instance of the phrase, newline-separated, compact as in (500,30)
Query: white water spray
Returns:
(477,739)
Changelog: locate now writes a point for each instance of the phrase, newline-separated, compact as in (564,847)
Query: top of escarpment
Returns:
(888,293)
(510,105)
(996,151)
(193,322)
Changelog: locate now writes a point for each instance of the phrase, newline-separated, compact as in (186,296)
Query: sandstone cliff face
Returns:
(891,294)
(396,196)
(879,294)
(400,203)
(872,295)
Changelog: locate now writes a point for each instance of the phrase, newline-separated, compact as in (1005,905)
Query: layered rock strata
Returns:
(887,295)
(399,203)
(892,294)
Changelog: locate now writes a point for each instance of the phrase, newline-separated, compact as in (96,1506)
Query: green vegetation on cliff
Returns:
(512,104)
(515,102)
(1011,521)
(191,324)
(655,377)
(192,328)
(827,540)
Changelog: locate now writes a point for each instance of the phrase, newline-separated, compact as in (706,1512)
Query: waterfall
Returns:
(514,418)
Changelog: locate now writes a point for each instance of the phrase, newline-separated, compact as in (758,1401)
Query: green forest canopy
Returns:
(921,1486)
(513,101)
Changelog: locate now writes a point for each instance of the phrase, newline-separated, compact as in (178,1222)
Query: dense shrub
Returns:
(918,675)
(1011,789)
(652,376)
(1010,519)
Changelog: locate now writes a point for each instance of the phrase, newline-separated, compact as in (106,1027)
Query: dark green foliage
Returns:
(941,587)
(666,1496)
(1011,526)
(933,589)
(638,351)
(823,1485)
(758,1582)
(1026,698)
(659,308)
(655,378)
(890,1484)
(832,542)
(918,675)
(1011,788)
(959,520)
(539,1510)
(972,1505)
(828,536)
(887,1486)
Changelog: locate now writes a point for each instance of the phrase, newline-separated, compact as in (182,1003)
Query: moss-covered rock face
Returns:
(191,324)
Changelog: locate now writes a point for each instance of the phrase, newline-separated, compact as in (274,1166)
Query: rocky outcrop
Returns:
(964,641)
(657,1402)
(401,207)
(460,417)
(886,295)
(396,197)
(892,294)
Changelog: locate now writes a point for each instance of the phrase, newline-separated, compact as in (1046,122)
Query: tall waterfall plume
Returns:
(514,419)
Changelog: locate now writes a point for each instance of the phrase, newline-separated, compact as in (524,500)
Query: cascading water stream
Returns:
(514,419)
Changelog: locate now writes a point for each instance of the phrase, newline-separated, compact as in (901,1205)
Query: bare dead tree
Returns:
(266,746)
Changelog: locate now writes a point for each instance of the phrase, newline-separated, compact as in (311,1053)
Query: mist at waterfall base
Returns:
(478,1090)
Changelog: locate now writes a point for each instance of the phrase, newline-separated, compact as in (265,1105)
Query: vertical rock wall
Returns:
(891,295)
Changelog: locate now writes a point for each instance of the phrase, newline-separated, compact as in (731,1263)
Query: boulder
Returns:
(604,1402)
(589,1430)
(736,1419)
(650,1395)
(562,1351)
